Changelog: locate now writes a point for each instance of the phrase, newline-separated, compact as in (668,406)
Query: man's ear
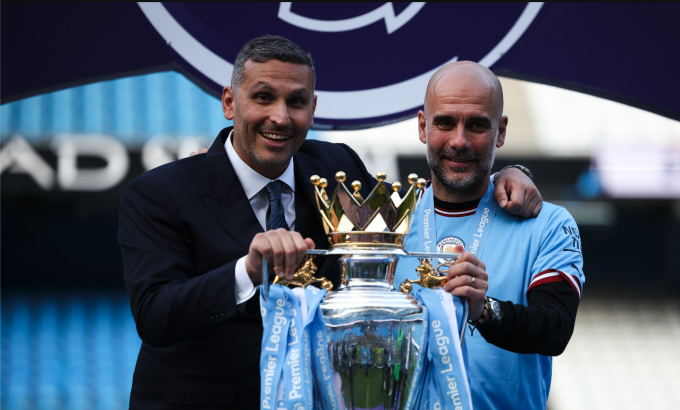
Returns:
(311,122)
(422,127)
(228,102)
(502,127)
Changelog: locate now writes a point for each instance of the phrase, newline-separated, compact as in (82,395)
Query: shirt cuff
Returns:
(244,286)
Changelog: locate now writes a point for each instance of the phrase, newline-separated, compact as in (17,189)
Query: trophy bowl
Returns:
(372,333)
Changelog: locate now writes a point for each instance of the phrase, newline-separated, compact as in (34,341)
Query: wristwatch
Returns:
(491,314)
(518,166)
(495,312)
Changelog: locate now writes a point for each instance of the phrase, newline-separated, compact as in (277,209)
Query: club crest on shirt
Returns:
(447,245)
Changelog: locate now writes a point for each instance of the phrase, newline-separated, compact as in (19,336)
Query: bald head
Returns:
(462,125)
(463,81)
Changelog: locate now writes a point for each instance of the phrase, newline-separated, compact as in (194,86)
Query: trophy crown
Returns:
(383,219)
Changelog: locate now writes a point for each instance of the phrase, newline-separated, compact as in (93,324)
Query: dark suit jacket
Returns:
(182,228)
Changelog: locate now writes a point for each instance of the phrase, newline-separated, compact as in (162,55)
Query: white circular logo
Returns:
(368,72)
(392,21)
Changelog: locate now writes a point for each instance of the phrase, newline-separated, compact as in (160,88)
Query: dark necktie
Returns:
(276,216)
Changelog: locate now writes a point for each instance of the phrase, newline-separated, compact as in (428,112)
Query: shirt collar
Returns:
(251,180)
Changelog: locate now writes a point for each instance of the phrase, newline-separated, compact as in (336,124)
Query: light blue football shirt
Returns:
(520,253)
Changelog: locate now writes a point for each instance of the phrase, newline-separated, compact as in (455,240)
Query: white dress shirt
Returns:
(253,184)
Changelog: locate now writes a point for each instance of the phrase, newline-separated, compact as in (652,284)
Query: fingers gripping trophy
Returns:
(374,334)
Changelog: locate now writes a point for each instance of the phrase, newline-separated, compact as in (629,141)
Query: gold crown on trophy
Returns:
(382,219)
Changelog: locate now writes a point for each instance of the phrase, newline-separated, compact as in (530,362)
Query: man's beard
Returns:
(250,147)
(463,184)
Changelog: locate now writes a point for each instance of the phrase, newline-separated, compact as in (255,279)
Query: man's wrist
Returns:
(482,317)
(491,314)
(244,286)
(256,278)
(522,168)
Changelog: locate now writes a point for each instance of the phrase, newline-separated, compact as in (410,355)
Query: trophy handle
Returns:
(304,275)
(428,276)
(324,252)
(265,271)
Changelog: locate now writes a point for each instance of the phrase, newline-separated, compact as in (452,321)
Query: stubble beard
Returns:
(249,146)
(463,185)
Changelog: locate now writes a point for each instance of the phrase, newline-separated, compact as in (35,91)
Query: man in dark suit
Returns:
(193,233)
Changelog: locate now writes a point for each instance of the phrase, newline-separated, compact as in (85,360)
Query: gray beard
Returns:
(461,185)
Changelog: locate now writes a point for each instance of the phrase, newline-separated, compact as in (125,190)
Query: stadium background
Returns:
(68,338)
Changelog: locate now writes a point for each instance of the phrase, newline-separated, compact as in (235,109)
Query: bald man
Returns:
(531,269)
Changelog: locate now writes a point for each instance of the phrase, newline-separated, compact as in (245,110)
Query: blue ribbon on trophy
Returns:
(445,378)
(294,395)
(326,397)
(294,342)
(276,317)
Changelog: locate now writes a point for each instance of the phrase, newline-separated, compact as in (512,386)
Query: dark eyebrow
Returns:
(263,85)
(441,118)
(484,120)
(300,92)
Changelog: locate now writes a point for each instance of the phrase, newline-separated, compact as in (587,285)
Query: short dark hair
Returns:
(265,48)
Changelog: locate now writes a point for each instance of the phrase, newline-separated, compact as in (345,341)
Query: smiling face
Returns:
(462,127)
(272,111)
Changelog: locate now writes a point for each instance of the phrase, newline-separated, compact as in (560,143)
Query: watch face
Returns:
(496,308)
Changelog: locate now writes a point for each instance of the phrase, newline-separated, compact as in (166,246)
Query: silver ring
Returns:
(473,281)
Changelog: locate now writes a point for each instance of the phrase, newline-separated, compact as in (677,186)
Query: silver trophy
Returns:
(373,330)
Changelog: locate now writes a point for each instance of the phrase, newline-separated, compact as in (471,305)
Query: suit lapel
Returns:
(225,198)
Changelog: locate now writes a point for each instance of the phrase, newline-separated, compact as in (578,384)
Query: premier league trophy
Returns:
(373,331)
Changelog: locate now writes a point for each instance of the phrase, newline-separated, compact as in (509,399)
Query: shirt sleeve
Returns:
(244,286)
(553,294)
(560,257)
(544,326)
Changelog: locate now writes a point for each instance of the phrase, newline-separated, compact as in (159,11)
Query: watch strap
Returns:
(518,166)
(494,318)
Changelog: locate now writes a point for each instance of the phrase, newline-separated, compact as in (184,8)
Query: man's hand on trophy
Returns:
(516,193)
(284,250)
(467,277)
